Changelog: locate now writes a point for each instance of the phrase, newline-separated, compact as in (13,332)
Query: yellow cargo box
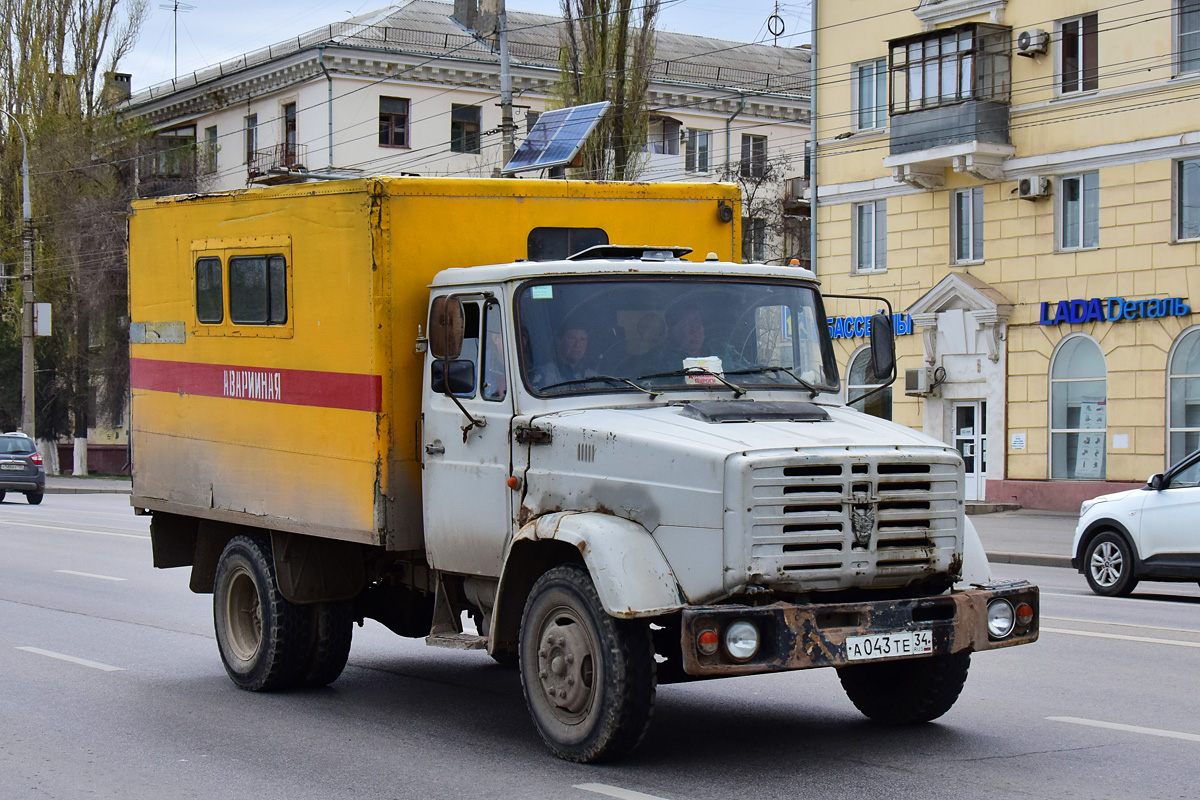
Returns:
(274,370)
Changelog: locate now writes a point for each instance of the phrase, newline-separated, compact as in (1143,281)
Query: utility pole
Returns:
(27,365)
(507,128)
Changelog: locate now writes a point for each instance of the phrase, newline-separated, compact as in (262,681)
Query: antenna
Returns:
(175,8)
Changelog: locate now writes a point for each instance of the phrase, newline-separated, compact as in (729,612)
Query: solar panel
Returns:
(556,138)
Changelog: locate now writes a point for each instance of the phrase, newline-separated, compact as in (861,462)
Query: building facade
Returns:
(1021,181)
(414,89)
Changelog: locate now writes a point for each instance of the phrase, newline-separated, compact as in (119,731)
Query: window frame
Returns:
(879,111)
(271,268)
(1086,76)
(1053,431)
(390,119)
(210,149)
(878,262)
(1061,215)
(753,163)
(975,239)
(693,162)
(754,240)
(250,131)
(226,249)
(492,311)
(1179,188)
(1173,458)
(463,137)
(1177,34)
(220,288)
(982,68)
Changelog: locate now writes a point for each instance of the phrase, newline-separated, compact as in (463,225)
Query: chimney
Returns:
(118,86)
(465,13)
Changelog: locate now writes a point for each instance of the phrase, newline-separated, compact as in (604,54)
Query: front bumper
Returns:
(809,636)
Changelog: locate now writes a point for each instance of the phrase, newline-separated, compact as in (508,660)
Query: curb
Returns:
(88,490)
(1030,559)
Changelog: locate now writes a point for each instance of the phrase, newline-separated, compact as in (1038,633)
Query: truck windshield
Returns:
(628,333)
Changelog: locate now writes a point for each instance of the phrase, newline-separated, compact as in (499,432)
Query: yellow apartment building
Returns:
(1021,180)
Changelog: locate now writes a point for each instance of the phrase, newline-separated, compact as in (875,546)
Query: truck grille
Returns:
(861,521)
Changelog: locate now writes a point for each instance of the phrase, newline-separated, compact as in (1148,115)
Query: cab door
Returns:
(1168,517)
(465,447)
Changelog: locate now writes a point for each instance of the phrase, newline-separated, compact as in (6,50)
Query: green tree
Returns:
(606,53)
(54,69)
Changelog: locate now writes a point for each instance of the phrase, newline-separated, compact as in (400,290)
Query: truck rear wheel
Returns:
(588,678)
(331,631)
(914,690)
(262,637)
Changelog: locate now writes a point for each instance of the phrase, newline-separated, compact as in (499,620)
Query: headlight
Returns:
(1089,504)
(1001,618)
(741,640)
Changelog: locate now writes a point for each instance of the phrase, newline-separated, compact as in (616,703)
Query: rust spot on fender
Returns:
(583,546)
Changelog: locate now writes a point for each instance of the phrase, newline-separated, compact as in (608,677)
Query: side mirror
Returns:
(1156,482)
(447,326)
(883,347)
(452,377)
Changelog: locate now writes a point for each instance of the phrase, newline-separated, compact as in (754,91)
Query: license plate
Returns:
(889,645)
(20,467)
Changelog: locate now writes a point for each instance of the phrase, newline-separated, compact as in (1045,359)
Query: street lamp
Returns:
(27,422)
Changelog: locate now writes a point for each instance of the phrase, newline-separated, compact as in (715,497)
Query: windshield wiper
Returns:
(594,378)
(814,391)
(737,390)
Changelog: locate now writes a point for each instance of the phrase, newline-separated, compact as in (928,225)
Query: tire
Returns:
(331,628)
(2,496)
(588,678)
(263,639)
(1108,565)
(34,498)
(904,692)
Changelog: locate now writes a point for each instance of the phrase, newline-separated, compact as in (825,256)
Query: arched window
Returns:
(1078,410)
(860,379)
(1183,409)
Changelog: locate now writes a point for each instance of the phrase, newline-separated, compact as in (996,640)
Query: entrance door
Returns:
(970,439)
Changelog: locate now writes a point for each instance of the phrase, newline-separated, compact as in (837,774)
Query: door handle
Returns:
(435,449)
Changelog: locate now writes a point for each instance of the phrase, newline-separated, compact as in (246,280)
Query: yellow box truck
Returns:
(558,408)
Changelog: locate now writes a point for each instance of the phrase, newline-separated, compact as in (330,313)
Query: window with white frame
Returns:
(1078,410)
(967,213)
(1187,28)
(210,149)
(1079,211)
(870,94)
(699,145)
(754,240)
(1078,59)
(754,156)
(870,236)
(1183,403)
(662,136)
(860,379)
(251,129)
(1187,199)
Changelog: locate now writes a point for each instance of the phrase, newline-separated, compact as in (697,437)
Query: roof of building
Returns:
(426,27)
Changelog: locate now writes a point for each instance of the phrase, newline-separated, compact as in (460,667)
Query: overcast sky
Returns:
(215,30)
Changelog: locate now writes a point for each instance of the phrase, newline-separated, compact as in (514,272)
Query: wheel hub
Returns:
(565,667)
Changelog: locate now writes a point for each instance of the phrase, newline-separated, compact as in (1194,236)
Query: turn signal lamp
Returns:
(1024,614)
(707,642)
(36,458)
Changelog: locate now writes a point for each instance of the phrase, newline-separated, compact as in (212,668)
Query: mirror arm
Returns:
(471,421)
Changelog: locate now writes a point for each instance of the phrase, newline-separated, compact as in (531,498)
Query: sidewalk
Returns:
(93,484)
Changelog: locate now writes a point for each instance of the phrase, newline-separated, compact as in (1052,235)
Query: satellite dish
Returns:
(556,138)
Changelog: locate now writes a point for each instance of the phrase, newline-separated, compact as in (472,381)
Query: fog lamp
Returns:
(1001,618)
(741,640)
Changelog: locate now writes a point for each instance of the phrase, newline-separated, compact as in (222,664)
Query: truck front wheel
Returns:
(263,638)
(914,690)
(588,678)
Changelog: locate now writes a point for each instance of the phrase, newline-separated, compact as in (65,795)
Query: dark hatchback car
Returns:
(21,467)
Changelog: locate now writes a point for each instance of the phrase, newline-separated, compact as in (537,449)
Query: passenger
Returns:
(688,338)
(570,352)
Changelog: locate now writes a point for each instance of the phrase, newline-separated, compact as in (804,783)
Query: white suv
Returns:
(1148,533)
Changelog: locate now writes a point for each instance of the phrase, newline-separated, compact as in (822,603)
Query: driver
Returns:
(570,352)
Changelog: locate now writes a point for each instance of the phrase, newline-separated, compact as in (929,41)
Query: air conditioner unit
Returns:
(917,382)
(1033,187)
(1032,43)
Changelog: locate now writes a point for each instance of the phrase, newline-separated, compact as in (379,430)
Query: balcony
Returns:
(949,104)
(282,163)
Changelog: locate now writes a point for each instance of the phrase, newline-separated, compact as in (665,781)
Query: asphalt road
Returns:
(111,687)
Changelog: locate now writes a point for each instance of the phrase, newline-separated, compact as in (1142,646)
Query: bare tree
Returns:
(606,53)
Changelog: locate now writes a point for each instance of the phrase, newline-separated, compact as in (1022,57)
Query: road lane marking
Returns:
(1116,726)
(90,575)
(1146,639)
(73,659)
(1083,595)
(73,530)
(1123,625)
(616,791)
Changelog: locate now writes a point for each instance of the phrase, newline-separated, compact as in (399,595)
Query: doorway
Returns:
(970,439)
